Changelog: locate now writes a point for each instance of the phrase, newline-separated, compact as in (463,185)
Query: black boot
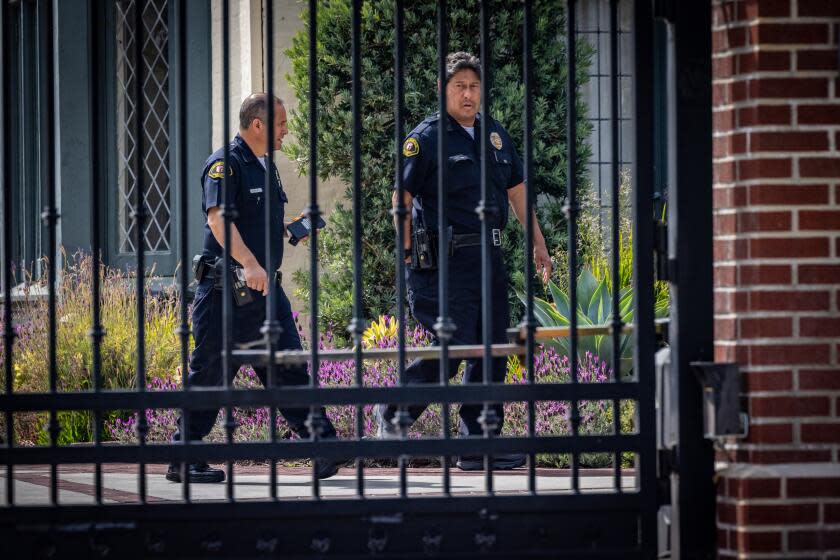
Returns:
(199,472)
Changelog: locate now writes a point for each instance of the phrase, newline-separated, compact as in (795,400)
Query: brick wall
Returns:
(776,95)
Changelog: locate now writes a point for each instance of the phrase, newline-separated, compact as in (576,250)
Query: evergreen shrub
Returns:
(378,147)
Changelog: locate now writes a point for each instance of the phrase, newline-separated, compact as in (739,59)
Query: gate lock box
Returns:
(722,415)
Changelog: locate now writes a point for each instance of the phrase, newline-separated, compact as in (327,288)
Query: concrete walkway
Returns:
(120,483)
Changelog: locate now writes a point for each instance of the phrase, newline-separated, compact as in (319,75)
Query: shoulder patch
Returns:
(411,147)
(217,170)
(496,140)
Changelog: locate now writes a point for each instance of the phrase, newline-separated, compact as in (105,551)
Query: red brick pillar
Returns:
(777,272)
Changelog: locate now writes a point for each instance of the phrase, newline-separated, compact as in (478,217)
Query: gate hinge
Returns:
(665,267)
(672,275)
(667,464)
(667,461)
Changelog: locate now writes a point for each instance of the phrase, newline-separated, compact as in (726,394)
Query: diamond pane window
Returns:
(155,125)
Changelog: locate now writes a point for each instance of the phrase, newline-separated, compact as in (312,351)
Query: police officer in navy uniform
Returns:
(246,182)
(464,127)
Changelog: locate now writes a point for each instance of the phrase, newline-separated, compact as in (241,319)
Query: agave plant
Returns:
(594,308)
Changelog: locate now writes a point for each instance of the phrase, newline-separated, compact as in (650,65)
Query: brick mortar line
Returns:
(754,527)
(772,313)
(764,555)
(758,527)
(765,368)
(794,157)
(774,101)
(794,49)
(807,181)
(779,288)
(776,181)
(784,234)
(775,74)
(775,527)
(780,447)
(786,341)
(792,126)
(734,501)
(797,420)
(721,51)
(781,420)
(778,129)
(781,236)
(778,261)
(752,22)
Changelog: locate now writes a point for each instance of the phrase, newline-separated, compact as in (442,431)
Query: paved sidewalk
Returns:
(120,483)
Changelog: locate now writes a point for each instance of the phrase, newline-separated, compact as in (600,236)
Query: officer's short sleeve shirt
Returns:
(463,161)
(418,159)
(212,179)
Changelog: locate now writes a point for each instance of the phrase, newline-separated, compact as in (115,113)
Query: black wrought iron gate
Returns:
(616,522)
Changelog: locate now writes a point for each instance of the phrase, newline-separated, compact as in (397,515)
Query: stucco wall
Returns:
(247,75)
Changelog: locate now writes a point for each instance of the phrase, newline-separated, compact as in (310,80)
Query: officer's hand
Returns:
(542,262)
(256,278)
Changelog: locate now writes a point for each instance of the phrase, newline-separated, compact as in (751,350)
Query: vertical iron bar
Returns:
(271,328)
(616,212)
(644,335)
(690,251)
(315,420)
(572,210)
(357,326)
(229,213)
(8,329)
(403,417)
(183,330)
(530,322)
(49,216)
(401,213)
(139,228)
(485,214)
(96,332)
(444,326)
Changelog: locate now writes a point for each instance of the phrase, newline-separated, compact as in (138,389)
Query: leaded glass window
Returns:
(155,92)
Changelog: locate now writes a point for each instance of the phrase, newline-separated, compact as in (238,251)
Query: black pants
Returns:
(206,358)
(465,310)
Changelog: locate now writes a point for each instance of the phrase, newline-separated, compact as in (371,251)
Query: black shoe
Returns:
(199,472)
(501,462)
(329,467)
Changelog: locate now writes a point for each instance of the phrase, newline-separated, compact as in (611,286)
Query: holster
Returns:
(203,267)
(424,244)
(209,267)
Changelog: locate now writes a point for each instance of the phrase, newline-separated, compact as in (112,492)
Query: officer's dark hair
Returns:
(255,106)
(457,61)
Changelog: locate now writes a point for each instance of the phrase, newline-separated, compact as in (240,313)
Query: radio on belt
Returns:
(241,291)
(301,228)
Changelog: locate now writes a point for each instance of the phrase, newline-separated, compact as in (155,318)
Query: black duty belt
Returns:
(471,239)
(205,267)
